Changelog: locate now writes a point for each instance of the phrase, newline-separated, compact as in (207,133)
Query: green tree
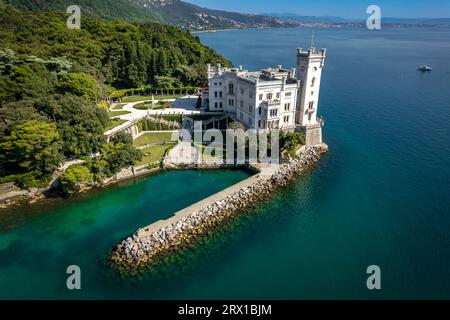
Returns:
(290,141)
(32,146)
(100,169)
(79,84)
(81,124)
(185,75)
(120,153)
(75,177)
(166,82)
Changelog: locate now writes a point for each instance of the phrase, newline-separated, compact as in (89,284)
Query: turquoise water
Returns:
(380,196)
(37,244)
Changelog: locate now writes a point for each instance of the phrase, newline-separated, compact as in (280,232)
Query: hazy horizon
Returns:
(346,9)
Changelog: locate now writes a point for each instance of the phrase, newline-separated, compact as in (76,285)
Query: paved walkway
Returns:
(184,106)
(183,154)
(181,106)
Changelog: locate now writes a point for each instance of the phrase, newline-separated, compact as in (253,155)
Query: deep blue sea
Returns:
(381,196)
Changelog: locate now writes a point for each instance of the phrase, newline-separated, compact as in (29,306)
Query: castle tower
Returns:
(310,64)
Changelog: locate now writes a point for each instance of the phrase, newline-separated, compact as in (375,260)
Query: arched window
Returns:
(313,81)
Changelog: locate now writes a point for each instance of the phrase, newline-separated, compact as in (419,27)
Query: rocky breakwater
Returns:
(141,251)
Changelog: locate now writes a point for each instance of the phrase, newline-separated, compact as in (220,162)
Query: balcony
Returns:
(310,110)
(272,103)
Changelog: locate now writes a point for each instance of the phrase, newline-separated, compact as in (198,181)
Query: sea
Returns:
(379,197)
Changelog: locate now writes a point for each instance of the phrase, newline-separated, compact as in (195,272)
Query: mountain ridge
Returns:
(175,12)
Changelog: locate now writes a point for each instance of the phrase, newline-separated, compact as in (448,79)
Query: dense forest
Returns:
(51,78)
(174,12)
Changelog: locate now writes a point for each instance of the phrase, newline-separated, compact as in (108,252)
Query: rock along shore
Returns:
(138,252)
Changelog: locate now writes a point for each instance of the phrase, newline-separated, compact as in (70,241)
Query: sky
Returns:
(352,9)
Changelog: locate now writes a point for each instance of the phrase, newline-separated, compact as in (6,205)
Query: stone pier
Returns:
(141,250)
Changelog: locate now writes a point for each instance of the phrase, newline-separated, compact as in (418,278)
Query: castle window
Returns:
(313,81)
(260,111)
(231,88)
(215,105)
(311,105)
(259,123)
(215,94)
(286,119)
(261,97)
(220,94)
(288,94)
(250,94)
(287,106)
(269,96)
(278,95)
(215,84)
(242,104)
(242,90)
(312,93)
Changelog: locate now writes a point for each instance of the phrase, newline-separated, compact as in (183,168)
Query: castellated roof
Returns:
(265,75)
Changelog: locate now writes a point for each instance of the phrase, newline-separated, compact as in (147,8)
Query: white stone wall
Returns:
(243,101)
(246,102)
(217,93)
(310,65)
(284,118)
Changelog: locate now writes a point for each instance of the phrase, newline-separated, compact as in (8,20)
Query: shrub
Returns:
(75,177)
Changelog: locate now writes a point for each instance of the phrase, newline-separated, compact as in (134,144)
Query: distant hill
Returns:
(312,19)
(338,20)
(174,12)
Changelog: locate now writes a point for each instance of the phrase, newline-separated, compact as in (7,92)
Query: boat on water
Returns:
(425,68)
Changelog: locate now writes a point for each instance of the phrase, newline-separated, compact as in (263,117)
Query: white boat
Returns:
(425,68)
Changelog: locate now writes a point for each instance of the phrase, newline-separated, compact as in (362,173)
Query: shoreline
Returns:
(139,252)
(33,196)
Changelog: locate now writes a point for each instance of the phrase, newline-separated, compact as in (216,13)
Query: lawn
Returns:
(145,98)
(119,106)
(152,154)
(115,123)
(117,113)
(151,138)
(150,106)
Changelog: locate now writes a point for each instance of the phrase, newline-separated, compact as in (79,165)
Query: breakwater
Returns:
(138,252)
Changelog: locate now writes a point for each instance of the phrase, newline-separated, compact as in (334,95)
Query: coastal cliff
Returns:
(137,253)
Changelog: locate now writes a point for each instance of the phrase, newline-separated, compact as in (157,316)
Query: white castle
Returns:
(274,98)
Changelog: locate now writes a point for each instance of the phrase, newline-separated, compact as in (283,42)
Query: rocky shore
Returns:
(140,251)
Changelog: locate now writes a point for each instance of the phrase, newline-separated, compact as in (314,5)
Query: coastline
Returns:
(31,196)
(139,252)
(19,197)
